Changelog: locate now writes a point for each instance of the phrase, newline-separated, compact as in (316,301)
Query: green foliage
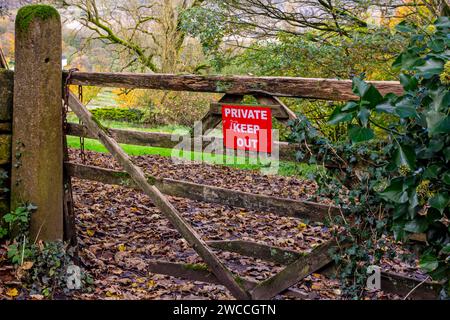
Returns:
(396,173)
(26,14)
(50,262)
(118,114)
(16,222)
(204,24)
(209,27)
(20,252)
(338,57)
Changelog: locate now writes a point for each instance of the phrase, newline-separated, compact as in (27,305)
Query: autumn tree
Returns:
(144,35)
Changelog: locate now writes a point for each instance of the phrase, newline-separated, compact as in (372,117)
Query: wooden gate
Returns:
(38,117)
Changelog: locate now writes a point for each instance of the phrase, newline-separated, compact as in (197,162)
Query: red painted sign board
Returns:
(247,128)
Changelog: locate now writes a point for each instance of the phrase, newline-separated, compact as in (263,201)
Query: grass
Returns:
(285,168)
(135,126)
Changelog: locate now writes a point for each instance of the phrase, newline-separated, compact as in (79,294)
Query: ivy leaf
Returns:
(436,45)
(431,172)
(408,82)
(404,26)
(442,126)
(406,111)
(372,96)
(405,155)
(442,23)
(428,262)
(440,99)
(399,232)
(335,118)
(385,107)
(406,108)
(446,178)
(446,152)
(408,60)
(350,106)
(431,67)
(417,225)
(359,134)
(363,115)
(395,192)
(446,249)
(440,201)
(359,86)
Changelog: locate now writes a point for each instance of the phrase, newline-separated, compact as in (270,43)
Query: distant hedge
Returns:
(118,114)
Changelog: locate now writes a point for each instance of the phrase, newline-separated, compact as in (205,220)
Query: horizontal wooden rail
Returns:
(314,88)
(195,272)
(390,282)
(164,140)
(284,207)
(256,250)
(294,272)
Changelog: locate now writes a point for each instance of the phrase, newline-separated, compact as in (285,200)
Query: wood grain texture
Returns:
(195,273)
(314,88)
(293,273)
(265,99)
(256,250)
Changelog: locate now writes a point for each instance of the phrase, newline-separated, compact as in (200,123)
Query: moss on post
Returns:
(36,11)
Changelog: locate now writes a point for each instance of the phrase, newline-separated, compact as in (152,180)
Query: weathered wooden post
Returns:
(37,173)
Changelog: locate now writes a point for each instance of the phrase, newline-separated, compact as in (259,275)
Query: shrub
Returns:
(118,114)
(167,107)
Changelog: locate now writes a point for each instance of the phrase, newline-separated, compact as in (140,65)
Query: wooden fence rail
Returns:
(391,282)
(280,206)
(313,88)
(167,140)
(286,151)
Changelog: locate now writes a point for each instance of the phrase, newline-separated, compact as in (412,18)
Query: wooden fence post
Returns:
(37,140)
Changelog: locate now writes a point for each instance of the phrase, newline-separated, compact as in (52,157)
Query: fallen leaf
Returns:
(27,265)
(301,226)
(12,292)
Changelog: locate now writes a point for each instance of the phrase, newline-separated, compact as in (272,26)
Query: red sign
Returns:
(247,128)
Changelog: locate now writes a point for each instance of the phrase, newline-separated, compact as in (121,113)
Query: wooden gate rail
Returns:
(280,206)
(391,282)
(136,173)
(264,290)
(200,273)
(294,272)
(164,140)
(313,88)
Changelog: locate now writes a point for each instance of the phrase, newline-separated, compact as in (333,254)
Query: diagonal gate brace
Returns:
(136,173)
(294,272)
